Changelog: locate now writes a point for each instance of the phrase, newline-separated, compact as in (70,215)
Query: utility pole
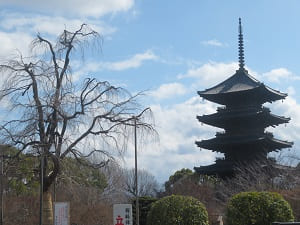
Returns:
(137,216)
(41,187)
(1,188)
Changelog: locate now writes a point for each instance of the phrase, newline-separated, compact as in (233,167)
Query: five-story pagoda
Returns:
(244,119)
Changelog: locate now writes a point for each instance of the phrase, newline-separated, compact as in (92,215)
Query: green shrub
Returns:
(177,210)
(258,208)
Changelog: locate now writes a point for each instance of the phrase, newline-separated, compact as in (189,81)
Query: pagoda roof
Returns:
(224,118)
(240,83)
(223,142)
(220,168)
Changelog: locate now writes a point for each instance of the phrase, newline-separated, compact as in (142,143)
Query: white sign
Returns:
(122,214)
(61,213)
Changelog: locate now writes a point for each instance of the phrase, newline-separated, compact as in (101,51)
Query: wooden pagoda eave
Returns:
(225,167)
(258,95)
(274,92)
(222,120)
(221,144)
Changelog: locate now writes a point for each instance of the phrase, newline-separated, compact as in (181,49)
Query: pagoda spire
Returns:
(241,46)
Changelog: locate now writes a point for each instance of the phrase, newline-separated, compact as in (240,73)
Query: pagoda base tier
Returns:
(222,168)
(227,168)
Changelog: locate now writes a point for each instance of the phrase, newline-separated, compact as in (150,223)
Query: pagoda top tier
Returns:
(241,88)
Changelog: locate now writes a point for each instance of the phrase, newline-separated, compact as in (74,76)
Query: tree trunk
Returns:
(47,208)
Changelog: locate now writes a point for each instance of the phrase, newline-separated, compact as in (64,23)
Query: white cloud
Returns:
(52,25)
(134,61)
(168,90)
(177,124)
(288,108)
(213,42)
(178,130)
(51,18)
(167,163)
(11,43)
(291,91)
(18,30)
(210,73)
(83,8)
(279,75)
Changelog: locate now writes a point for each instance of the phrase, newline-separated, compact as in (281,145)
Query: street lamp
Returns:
(3,148)
(41,187)
(136,176)
(1,188)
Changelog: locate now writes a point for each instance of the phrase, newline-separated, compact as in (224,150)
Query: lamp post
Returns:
(137,217)
(1,188)
(41,187)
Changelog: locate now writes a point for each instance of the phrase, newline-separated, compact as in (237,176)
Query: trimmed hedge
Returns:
(177,210)
(258,208)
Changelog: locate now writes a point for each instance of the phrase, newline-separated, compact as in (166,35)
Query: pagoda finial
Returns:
(241,46)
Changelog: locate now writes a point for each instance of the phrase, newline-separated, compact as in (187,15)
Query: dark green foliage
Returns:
(144,207)
(258,208)
(177,176)
(78,171)
(177,210)
(20,176)
(21,173)
(22,179)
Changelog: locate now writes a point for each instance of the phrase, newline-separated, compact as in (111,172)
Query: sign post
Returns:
(122,214)
(61,213)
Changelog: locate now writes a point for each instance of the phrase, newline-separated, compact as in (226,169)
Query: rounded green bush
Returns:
(258,208)
(177,210)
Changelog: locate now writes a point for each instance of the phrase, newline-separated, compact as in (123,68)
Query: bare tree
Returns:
(263,175)
(53,116)
(114,192)
(147,184)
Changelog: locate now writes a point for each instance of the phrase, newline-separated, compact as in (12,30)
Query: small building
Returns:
(244,120)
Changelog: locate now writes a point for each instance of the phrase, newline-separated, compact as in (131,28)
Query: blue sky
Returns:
(171,49)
